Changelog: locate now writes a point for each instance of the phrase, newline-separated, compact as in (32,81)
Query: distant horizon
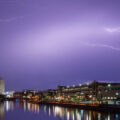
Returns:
(55,87)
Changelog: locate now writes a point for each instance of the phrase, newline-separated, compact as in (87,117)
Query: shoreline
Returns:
(102,108)
(99,107)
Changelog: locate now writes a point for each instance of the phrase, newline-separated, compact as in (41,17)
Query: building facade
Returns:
(2,86)
(95,91)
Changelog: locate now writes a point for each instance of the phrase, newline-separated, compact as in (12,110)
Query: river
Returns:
(14,110)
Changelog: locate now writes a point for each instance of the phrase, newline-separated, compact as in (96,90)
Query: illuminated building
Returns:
(2,86)
(9,94)
(95,91)
(92,93)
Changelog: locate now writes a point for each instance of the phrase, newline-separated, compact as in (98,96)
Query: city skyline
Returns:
(44,44)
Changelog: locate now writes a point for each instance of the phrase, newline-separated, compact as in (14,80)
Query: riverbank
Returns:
(86,106)
(100,107)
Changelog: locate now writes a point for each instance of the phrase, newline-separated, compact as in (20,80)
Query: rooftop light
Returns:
(109,85)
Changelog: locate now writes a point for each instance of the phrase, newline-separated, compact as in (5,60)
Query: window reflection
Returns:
(2,113)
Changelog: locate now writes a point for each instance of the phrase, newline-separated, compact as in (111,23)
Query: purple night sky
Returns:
(45,43)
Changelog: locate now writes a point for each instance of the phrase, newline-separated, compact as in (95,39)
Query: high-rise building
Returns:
(2,86)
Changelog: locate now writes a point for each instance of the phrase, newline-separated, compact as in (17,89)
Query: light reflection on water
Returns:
(62,113)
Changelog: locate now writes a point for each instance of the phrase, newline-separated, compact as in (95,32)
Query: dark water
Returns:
(26,111)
